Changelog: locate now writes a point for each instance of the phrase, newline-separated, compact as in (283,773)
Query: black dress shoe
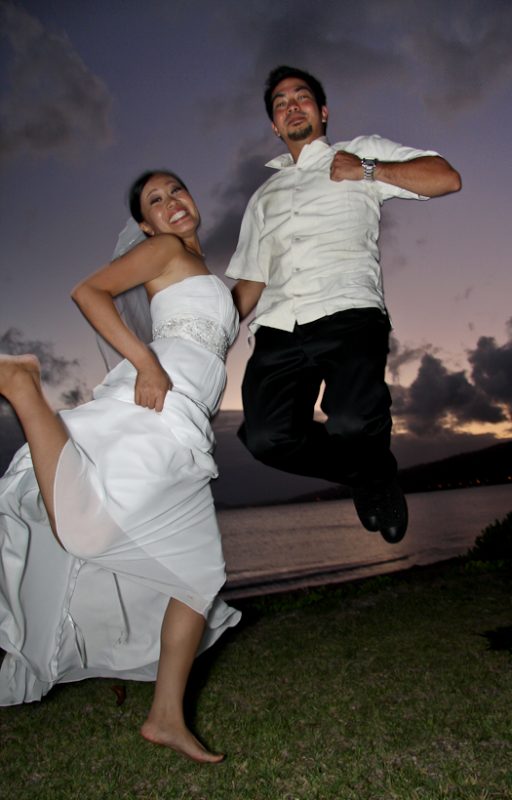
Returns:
(364,502)
(381,506)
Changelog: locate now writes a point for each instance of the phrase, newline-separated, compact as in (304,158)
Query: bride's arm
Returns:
(95,298)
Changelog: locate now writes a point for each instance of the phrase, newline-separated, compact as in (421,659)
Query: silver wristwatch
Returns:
(368,165)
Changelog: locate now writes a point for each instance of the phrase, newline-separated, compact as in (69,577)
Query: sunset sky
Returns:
(97,92)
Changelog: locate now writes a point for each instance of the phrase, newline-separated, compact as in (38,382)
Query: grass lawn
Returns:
(373,691)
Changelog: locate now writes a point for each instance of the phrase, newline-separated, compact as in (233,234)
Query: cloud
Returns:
(438,398)
(393,259)
(54,369)
(325,38)
(400,355)
(464,50)
(452,55)
(75,396)
(53,105)
(248,173)
(492,368)
(336,41)
(465,295)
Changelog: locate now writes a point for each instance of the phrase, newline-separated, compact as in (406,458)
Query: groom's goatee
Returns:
(303,133)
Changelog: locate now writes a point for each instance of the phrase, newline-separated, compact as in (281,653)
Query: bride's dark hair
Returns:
(138,185)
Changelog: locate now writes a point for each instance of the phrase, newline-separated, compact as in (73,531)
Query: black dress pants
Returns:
(348,351)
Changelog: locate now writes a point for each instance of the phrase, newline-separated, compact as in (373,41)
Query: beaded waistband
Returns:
(206,332)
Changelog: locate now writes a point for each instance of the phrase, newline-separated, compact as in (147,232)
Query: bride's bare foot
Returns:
(179,738)
(14,373)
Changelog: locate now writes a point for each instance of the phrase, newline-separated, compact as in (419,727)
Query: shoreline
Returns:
(274,549)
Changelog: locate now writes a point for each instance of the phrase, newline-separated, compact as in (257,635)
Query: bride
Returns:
(110,554)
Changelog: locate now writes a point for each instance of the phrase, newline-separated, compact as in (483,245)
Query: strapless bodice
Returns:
(200,309)
(194,322)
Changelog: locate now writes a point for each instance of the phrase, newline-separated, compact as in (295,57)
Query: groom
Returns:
(308,260)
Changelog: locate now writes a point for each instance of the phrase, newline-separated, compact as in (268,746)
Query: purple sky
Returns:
(99,91)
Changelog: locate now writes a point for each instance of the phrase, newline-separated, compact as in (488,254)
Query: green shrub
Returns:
(495,541)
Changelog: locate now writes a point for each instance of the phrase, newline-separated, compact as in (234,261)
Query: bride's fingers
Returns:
(152,400)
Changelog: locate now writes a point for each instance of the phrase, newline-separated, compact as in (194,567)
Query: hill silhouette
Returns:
(486,467)
(492,465)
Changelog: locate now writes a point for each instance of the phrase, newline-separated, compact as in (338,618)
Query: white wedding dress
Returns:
(134,512)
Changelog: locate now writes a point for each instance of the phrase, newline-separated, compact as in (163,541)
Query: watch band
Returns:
(368,165)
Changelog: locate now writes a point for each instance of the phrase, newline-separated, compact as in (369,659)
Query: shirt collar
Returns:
(314,148)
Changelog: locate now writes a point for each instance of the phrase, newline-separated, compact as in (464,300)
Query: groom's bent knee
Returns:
(265,445)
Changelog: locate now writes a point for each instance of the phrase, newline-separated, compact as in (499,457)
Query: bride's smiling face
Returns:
(167,207)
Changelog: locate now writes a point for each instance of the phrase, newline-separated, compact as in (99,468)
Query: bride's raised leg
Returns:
(182,629)
(20,384)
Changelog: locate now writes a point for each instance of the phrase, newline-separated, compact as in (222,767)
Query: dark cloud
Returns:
(220,244)
(451,54)
(53,103)
(492,368)
(248,173)
(328,39)
(466,47)
(465,295)
(440,399)
(393,259)
(400,355)
(75,396)
(437,397)
(55,370)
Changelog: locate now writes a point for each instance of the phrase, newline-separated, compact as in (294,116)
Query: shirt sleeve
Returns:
(245,263)
(386,150)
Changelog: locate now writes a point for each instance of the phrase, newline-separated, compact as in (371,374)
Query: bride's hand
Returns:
(151,386)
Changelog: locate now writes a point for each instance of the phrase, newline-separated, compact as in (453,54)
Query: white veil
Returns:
(133,305)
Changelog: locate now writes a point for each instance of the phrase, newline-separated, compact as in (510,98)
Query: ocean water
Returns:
(276,548)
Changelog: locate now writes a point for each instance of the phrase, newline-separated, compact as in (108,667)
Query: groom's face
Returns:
(295,113)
